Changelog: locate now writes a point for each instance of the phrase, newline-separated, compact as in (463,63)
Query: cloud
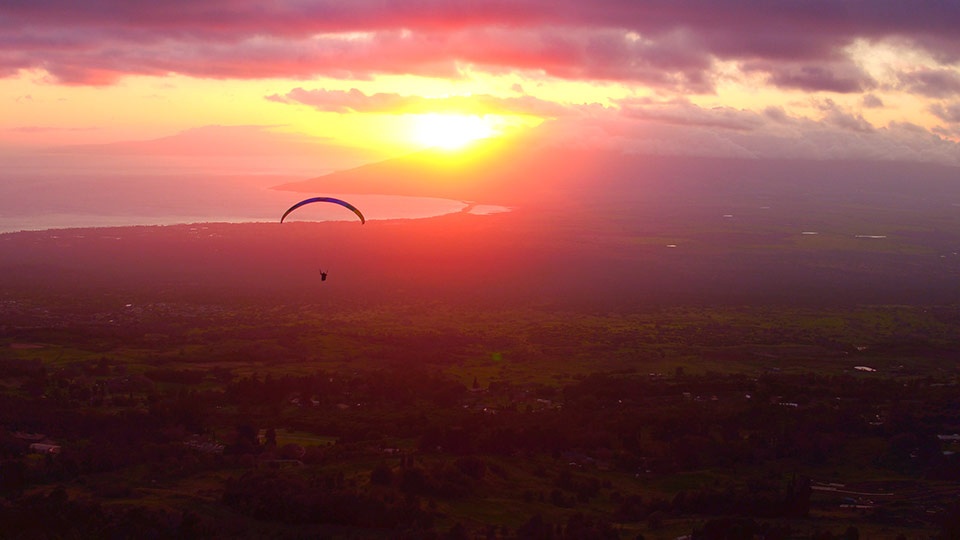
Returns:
(674,49)
(727,119)
(871,101)
(851,122)
(661,43)
(684,113)
(680,128)
(353,100)
(947,112)
(46,129)
(936,83)
(837,117)
(344,101)
(591,54)
(840,77)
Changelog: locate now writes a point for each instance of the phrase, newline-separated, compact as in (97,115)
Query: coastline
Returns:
(377,208)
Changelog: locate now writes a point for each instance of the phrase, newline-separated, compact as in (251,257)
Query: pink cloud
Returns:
(681,128)
(948,112)
(937,83)
(840,77)
(799,43)
(353,100)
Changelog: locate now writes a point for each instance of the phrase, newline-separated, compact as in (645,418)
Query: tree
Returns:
(271,438)
(950,524)
(457,532)
(381,475)
(246,442)
(655,520)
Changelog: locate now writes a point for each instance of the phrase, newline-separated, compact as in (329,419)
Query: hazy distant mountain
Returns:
(247,149)
(522,171)
(508,170)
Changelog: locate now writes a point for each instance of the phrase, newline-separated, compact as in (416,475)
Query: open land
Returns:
(639,366)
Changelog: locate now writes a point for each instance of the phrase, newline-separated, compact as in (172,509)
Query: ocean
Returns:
(81,200)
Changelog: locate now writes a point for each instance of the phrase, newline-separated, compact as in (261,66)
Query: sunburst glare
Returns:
(451,131)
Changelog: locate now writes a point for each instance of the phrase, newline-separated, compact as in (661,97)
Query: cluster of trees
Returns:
(626,423)
(625,419)
(325,499)
(56,515)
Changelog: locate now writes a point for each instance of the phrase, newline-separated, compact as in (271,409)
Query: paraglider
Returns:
(345,204)
(324,199)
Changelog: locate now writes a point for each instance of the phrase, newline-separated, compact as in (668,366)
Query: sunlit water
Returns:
(55,202)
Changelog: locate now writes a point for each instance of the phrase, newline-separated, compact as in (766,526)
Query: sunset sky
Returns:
(814,79)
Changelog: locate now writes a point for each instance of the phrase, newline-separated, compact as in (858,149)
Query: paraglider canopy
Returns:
(324,199)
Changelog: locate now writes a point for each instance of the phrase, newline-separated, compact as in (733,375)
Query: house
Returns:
(45,448)
(204,445)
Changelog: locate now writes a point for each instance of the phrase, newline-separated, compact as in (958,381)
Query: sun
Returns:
(451,131)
